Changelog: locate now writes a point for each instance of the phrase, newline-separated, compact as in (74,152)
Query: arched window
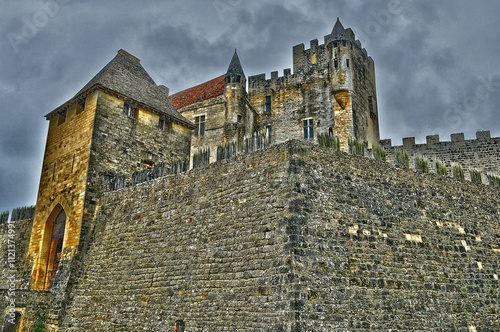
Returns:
(12,322)
(180,326)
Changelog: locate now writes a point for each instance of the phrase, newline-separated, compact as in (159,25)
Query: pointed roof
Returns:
(235,66)
(124,75)
(338,32)
(199,93)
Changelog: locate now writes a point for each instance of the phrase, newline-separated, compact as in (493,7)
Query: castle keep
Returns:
(235,206)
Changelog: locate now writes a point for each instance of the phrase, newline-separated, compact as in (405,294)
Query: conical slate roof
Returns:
(235,66)
(338,32)
(126,76)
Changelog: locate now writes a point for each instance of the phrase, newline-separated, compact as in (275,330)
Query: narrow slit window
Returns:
(348,63)
(268,104)
(73,164)
(54,172)
(199,121)
(308,128)
(336,63)
(269,137)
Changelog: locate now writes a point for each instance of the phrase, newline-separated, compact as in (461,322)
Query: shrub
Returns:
(329,141)
(402,159)
(440,168)
(356,148)
(458,172)
(378,153)
(475,176)
(422,165)
(494,180)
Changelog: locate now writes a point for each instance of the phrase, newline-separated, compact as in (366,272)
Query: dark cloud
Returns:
(431,60)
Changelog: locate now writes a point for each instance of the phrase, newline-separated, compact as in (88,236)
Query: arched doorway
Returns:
(51,248)
(56,244)
(12,322)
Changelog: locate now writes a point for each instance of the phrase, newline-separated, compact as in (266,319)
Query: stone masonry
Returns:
(292,238)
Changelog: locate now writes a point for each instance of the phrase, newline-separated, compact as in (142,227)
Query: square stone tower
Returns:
(120,122)
(332,91)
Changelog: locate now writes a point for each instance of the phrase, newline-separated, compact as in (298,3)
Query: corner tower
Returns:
(235,90)
(119,123)
(331,92)
(352,74)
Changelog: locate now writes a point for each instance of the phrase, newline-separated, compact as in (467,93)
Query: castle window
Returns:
(129,109)
(238,79)
(335,44)
(268,104)
(269,136)
(239,119)
(348,63)
(165,125)
(308,128)
(199,121)
(336,63)
(344,43)
(331,132)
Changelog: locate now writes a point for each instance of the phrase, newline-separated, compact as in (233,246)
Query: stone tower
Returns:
(220,110)
(120,122)
(331,91)
(236,97)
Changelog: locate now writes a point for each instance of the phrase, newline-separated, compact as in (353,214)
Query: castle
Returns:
(291,237)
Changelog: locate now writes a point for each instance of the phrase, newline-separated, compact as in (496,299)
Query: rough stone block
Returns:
(460,137)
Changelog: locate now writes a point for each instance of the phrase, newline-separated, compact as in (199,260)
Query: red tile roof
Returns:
(202,92)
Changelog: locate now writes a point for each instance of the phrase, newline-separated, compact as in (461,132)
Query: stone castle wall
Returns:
(482,153)
(292,238)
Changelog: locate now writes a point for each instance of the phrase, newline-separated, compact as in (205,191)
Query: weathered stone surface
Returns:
(482,153)
(292,238)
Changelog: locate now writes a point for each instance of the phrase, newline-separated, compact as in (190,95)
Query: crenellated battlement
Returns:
(481,153)
(434,139)
(258,82)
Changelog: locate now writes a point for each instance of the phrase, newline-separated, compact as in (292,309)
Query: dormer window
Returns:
(129,109)
(165,125)
(237,79)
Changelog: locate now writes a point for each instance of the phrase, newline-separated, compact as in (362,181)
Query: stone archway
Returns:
(51,248)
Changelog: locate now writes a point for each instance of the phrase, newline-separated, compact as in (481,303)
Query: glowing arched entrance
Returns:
(51,248)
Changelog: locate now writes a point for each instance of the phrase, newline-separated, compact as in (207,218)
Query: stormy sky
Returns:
(437,62)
